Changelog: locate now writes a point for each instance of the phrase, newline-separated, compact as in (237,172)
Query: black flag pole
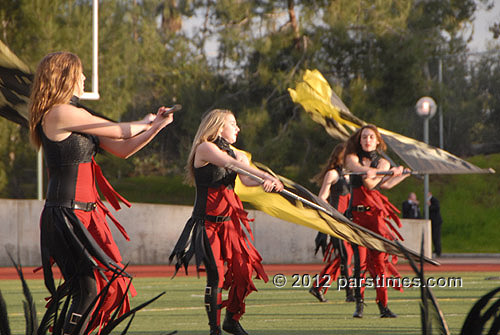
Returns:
(380,173)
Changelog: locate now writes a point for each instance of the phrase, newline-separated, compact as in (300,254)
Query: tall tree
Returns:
(380,57)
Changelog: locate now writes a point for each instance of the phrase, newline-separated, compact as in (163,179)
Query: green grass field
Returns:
(274,310)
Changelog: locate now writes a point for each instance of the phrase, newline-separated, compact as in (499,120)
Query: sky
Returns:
(480,38)
(483,20)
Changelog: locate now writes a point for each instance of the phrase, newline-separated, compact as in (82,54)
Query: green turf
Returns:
(275,311)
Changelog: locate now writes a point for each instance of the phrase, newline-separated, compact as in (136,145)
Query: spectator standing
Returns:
(436,222)
(410,207)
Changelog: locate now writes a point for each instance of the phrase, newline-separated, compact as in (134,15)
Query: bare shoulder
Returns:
(206,147)
(333,173)
(331,176)
(352,161)
(241,156)
(66,108)
(352,157)
(205,150)
(63,111)
(383,164)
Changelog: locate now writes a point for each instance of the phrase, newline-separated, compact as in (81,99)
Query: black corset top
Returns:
(341,187)
(213,176)
(76,148)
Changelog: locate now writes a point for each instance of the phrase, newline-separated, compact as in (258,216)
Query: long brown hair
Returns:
(353,145)
(211,123)
(336,159)
(55,80)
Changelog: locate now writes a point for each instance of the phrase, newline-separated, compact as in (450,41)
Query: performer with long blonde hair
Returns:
(214,234)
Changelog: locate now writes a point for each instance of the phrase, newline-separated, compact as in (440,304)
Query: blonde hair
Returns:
(55,80)
(211,123)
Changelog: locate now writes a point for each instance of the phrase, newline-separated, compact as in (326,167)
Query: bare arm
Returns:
(62,120)
(395,179)
(125,148)
(208,152)
(370,180)
(331,177)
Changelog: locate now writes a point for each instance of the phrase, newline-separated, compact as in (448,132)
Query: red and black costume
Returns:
(337,253)
(74,231)
(214,235)
(373,210)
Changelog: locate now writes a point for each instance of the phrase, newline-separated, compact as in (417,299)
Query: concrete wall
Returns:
(154,229)
(19,231)
(413,231)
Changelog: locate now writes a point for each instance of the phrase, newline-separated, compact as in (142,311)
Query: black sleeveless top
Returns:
(62,159)
(212,176)
(340,188)
(357,180)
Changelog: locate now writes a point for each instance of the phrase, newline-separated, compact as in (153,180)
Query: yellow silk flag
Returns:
(325,107)
(326,219)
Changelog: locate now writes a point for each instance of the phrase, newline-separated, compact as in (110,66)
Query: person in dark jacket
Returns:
(410,207)
(436,222)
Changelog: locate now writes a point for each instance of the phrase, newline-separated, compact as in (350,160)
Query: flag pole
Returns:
(284,192)
(320,208)
(380,173)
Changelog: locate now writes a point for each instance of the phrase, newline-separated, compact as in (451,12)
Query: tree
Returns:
(380,57)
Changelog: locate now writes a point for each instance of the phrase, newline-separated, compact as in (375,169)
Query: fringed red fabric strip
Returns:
(381,204)
(111,195)
(240,254)
(109,192)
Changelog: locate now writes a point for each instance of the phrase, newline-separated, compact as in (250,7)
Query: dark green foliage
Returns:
(169,189)
(379,58)
(469,206)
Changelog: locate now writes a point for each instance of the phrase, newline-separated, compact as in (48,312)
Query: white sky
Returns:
(483,20)
(480,39)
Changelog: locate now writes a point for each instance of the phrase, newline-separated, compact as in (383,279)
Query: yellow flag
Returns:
(328,220)
(325,107)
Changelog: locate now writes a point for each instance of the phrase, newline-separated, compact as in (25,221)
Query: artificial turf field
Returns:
(272,310)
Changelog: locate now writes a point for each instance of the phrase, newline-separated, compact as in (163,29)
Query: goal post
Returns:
(94,94)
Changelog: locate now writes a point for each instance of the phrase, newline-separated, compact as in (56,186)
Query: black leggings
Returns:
(213,290)
(79,276)
(83,292)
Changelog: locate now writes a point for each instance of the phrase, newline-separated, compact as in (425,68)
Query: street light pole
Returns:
(426,108)
(426,176)
(39,175)
(440,114)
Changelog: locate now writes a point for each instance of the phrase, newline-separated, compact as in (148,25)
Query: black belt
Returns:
(360,208)
(84,206)
(217,219)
